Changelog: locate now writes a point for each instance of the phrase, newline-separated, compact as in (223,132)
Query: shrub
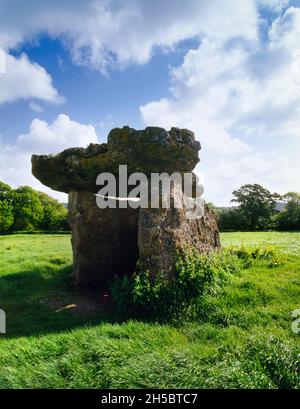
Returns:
(162,297)
(268,255)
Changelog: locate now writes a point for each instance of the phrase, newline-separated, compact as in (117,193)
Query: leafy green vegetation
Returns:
(241,338)
(289,219)
(167,298)
(257,210)
(25,209)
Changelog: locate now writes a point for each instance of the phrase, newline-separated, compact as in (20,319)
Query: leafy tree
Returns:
(232,220)
(6,209)
(289,218)
(6,215)
(5,191)
(257,205)
(28,209)
(55,214)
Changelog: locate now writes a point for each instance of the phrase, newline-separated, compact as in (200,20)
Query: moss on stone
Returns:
(150,150)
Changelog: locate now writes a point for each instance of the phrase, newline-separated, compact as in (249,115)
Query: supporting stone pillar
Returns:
(104,241)
(166,233)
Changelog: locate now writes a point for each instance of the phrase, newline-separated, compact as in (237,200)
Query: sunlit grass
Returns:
(243,340)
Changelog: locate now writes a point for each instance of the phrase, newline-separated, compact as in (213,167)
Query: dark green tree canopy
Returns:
(289,218)
(5,191)
(26,209)
(6,216)
(256,203)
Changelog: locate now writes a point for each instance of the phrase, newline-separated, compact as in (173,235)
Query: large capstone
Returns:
(148,151)
(108,242)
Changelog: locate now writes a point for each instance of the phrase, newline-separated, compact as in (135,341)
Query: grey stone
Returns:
(108,242)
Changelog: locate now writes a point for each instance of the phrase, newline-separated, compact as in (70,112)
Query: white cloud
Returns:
(275,5)
(2,62)
(42,138)
(273,170)
(61,134)
(239,100)
(239,91)
(24,79)
(35,107)
(114,33)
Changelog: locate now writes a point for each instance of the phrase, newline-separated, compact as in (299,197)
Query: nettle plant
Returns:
(178,296)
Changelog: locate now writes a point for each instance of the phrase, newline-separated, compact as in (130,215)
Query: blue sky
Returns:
(226,69)
(104,101)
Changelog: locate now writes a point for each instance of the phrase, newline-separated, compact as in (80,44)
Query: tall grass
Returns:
(240,338)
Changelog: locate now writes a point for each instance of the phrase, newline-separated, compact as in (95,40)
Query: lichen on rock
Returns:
(147,151)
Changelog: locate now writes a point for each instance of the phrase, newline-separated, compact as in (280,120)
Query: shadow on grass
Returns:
(42,300)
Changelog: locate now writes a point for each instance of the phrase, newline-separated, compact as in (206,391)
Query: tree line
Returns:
(25,209)
(259,209)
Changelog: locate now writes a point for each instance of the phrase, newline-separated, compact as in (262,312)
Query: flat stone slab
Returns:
(147,151)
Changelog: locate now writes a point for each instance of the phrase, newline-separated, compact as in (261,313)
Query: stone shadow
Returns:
(41,301)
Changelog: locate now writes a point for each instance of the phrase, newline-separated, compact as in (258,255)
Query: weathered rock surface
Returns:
(109,242)
(165,233)
(104,241)
(151,150)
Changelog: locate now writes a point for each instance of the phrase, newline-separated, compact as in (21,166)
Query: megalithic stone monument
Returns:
(110,241)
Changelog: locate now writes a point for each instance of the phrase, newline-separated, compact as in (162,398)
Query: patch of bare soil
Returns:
(81,302)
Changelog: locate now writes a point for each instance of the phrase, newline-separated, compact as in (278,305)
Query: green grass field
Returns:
(57,339)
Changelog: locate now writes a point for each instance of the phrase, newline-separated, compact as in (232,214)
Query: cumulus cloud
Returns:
(275,5)
(238,90)
(108,34)
(273,170)
(60,134)
(43,138)
(114,33)
(237,96)
(23,80)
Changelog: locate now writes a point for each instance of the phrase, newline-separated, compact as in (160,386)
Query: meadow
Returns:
(59,338)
